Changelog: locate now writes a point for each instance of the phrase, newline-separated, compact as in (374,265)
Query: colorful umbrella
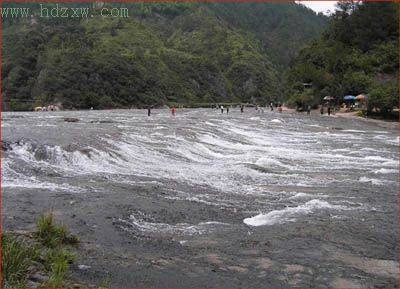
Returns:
(361,97)
(349,97)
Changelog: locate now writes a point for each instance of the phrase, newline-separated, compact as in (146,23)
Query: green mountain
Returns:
(358,53)
(163,53)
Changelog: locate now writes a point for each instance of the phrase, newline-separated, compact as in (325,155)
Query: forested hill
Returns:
(357,54)
(282,28)
(163,53)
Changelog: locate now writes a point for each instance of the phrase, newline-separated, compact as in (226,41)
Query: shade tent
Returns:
(361,97)
(349,97)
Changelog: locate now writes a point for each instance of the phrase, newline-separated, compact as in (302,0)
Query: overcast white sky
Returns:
(320,6)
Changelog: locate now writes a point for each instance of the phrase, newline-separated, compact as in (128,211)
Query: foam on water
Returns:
(305,196)
(290,214)
(375,182)
(386,171)
(230,162)
(139,223)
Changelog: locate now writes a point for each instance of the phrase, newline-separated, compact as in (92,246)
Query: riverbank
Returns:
(388,123)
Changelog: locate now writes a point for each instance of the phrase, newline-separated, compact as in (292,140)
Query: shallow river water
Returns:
(207,199)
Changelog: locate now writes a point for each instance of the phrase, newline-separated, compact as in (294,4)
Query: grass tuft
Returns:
(56,263)
(17,257)
(52,235)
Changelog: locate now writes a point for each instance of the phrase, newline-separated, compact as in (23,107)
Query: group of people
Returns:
(172,109)
(328,109)
(257,108)
(222,108)
(51,107)
(321,110)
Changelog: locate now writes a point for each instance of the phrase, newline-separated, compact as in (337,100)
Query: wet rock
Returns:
(293,268)
(160,262)
(31,284)
(6,146)
(85,151)
(214,259)
(71,119)
(345,283)
(264,263)
(37,277)
(385,268)
(238,269)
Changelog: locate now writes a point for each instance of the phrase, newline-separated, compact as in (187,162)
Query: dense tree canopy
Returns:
(357,54)
(163,53)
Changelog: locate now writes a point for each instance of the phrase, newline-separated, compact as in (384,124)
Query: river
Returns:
(205,199)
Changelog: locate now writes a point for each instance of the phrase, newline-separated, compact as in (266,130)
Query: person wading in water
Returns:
(222,109)
(227,109)
(241,108)
(329,110)
(173,110)
(308,109)
(148,110)
(322,109)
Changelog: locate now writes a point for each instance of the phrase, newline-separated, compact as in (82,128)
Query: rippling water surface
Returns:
(268,170)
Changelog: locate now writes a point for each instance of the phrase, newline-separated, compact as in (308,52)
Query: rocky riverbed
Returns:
(206,199)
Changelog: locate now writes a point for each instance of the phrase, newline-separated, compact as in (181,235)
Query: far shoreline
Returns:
(348,115)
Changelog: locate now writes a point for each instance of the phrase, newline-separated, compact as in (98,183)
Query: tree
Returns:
(384,97)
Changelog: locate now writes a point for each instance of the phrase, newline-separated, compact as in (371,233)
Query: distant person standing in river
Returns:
(308,109)
(148,111)
(329,110)
(227,109)
(222,109)
(173,110)
(321,110)
(241,108)
(271,106)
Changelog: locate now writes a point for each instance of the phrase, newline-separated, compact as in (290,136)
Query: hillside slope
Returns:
(163,53)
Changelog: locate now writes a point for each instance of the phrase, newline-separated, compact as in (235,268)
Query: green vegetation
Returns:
(56,263)
(202,53)
(383,97)
(17,257)
(51,235)
(164,53)
(357,54)
(44,252)
(282,29)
